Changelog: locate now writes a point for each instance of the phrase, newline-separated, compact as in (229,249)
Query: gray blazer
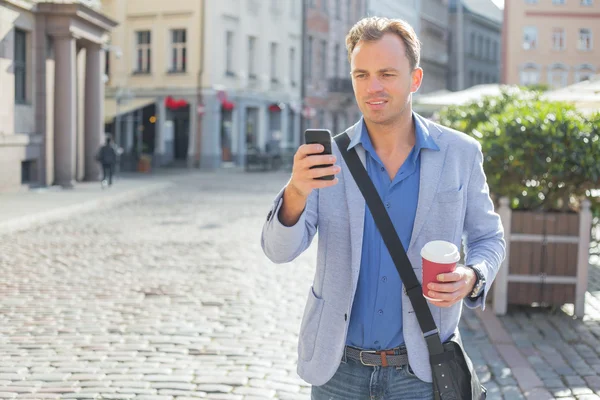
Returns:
(454,204)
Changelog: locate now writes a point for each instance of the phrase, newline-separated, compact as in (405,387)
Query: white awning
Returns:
(110,107)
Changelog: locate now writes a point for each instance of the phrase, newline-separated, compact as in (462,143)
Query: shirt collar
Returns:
(423,139)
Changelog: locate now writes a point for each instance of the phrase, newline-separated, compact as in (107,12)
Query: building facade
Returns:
(51,108)
(329,97)
(407,10)
(153,80)
(434,33)
(201,82)
(550,42)
(252,84)
(477,59)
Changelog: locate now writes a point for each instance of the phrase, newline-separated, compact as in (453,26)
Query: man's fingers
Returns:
(319,172)
(444,287)
(444,296)
(449,277)
(311,161)
(308,149)
(319,184)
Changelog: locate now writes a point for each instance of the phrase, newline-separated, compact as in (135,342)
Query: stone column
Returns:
(80,116)
(159,126)
(65,108)
(94,109)
(194,116)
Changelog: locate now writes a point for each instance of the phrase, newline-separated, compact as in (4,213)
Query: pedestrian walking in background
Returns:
(107,157)
(360,337)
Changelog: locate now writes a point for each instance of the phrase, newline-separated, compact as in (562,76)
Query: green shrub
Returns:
(541,155)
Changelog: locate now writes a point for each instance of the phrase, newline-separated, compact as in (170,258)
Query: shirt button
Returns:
(384,279)
(387,205)
(382,169)
(376,342)
(380,312)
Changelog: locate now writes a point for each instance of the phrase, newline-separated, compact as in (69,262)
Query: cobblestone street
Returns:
(170,297)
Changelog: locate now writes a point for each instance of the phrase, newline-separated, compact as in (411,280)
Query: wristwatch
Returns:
(479,283)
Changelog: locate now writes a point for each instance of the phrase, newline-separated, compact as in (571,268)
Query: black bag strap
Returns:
(393,244)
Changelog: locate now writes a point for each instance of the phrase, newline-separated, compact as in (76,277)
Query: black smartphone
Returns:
(322,137)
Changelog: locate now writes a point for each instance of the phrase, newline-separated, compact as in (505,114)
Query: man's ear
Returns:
(416,79)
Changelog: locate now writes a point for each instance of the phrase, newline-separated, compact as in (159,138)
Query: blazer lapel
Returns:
(356,209)
(432,163)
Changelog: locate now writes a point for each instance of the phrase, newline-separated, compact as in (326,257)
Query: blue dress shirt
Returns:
(376,317)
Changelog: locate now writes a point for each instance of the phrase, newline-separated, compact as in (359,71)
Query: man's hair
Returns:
(371,29)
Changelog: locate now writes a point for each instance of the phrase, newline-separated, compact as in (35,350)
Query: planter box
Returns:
(547,258)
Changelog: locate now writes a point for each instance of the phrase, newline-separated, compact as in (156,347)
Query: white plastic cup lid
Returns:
(441,252)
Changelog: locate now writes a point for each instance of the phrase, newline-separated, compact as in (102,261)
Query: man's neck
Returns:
(393,138)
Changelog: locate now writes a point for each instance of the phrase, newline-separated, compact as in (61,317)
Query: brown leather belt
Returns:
(378,358)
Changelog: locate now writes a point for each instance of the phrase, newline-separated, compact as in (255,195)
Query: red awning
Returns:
(173,104)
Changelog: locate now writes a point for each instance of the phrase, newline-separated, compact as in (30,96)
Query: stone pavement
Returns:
(25,209)
(170,297)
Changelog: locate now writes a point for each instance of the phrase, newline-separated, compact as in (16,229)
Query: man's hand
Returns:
(302,182)
(453,286)
(303,177)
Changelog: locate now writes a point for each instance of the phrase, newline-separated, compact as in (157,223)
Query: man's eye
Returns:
(388,75)
(359,76)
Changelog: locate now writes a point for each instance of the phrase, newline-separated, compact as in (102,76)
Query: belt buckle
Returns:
(360,356)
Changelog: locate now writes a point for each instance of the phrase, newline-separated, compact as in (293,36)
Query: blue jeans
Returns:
(354,381)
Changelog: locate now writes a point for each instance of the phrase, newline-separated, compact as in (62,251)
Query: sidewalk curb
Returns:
(529,382)
(60,213)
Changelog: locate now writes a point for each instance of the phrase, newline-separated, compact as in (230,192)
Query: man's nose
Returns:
(374,85)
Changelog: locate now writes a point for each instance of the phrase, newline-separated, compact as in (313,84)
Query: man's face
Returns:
(382,79)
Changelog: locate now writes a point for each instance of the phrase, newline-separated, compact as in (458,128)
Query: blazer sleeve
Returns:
(483,231)
(282,243)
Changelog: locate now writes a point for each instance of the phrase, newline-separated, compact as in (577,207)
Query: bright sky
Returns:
(499,3)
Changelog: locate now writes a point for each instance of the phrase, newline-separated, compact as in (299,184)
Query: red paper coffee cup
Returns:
(437,257)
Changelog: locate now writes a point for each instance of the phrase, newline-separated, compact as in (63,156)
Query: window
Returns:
(558,39)
(529,75)
(107,64)
(494,51)
(336,60)
(531,1)
(293,10)
(338,9)
(144,52)
(274,78)
(28,171)
(587,3)
(309,58)
(585,39)
(480,46)
(473,47)
(229,54)
(488,49)
(178,50)
(275,7)
(323,59)
(324,6)
(557,76)
(251,57)
(311,3)
(558,2)
(584,72)
(20,66)
(293,67)
(529,37)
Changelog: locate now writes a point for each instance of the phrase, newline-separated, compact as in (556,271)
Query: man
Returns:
(432,183)
(107,156)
